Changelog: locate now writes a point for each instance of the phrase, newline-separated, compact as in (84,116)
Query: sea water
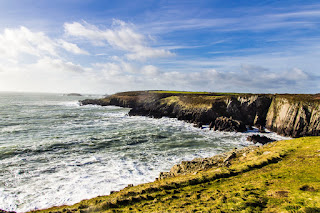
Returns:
(54,151)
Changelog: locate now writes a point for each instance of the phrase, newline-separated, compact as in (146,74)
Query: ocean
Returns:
(54,151)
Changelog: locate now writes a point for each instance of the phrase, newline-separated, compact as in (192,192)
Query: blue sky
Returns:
(92,46)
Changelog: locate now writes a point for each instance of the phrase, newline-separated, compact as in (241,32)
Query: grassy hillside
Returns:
(282,176)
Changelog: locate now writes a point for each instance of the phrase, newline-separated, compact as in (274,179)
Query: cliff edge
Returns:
(295,115)
(292,115)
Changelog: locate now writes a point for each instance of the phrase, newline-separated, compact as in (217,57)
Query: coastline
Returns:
(184,170)
(293,115)
(272,178)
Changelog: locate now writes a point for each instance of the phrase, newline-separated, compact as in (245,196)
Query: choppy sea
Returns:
(54,151)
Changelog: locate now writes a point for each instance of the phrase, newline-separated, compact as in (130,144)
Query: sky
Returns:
(103,47)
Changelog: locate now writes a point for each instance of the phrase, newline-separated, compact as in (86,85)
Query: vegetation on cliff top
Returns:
(196,99)
(293,115)
(204,102)
(172,93)
(184,99)
(282,176)
(165,93)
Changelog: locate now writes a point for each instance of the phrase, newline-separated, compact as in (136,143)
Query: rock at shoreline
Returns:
(99,102)
(202,164)
(73,94)
(228,124)
(259,139)
(293,115)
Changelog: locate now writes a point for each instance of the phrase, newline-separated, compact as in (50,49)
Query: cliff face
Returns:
(290,115)
(220,111)
(294,117)
(205,110)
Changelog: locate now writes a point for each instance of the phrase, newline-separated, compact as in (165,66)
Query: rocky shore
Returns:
(282,176)
(202,164)
(253,179)
(289,115)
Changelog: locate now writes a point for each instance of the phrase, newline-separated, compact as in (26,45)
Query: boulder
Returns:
(259,139)
(228,124)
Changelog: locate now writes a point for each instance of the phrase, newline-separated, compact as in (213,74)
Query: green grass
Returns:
(186,100)
(179,92)
(197,93)
(282,176)
(204,102)
(293,98)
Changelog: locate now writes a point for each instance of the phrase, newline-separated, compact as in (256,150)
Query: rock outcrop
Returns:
(202,164)
(99,102)
(294,117)
(225,113)
(289,115)
(259,139)
(228,124)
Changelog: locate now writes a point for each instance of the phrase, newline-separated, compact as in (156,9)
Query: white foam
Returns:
(130,150)
(12,128)
(69,103)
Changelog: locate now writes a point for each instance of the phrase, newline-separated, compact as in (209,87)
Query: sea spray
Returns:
(55,152)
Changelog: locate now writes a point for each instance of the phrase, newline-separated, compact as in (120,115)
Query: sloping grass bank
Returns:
(282,176)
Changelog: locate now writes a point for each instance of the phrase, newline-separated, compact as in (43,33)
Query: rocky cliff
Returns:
(290,115)
(294,116)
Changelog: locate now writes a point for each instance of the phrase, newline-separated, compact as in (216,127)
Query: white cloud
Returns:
(296,74)
(247,19)
(118,66)
(31,61)
(58,64)
(150,70)
(254,79)
(313,13)
(146,52)
(19,43)
(45,69)
(249,68)
(88,31)
(110,69)
(50,75)
(14,42)
(121,36)
(57,75)
(73,48)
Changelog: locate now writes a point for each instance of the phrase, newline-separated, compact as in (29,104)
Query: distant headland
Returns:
(73,94)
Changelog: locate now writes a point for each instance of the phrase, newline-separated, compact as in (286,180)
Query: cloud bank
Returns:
(121,36)
(92,59)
